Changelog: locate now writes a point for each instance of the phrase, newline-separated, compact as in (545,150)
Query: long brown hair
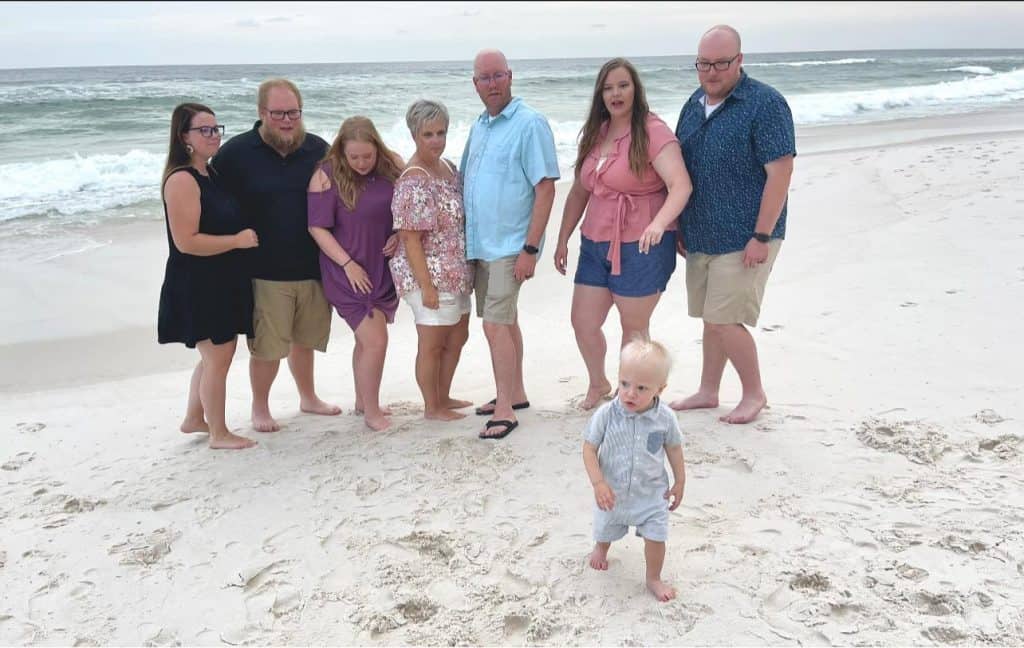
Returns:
(599,114)
(177,156)
(349,183)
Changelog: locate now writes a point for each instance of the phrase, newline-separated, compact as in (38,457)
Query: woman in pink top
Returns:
(631,180)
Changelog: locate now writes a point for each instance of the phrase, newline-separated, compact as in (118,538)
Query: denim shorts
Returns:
(642,274)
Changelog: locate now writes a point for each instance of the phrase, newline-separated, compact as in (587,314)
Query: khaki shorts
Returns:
(497,291)
(286,312)
(720,290)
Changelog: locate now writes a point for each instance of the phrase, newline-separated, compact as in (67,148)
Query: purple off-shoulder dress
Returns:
(362,233)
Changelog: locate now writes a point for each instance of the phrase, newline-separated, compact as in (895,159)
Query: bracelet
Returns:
(347,262)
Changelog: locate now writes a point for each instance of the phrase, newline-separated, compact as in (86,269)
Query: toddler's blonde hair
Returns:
(645,351)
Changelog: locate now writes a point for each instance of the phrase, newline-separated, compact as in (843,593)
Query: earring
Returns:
(189,149)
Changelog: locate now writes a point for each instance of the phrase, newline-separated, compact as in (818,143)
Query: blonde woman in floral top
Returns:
(430,270)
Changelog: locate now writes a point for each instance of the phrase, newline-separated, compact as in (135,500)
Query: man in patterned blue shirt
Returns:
(738,142)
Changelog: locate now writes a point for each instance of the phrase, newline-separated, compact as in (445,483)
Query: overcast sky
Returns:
(46,34)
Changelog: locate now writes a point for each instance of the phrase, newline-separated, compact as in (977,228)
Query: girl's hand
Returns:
(357,277)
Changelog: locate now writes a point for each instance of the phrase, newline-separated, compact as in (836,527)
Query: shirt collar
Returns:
(740,91)
(506,112)
(650,413)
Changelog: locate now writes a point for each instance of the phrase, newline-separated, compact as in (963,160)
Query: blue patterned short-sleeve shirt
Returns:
(725,154)
(631,448)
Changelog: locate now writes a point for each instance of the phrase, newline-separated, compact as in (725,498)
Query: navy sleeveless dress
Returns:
(207,297)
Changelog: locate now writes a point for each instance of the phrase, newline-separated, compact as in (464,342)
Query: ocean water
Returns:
(86,145)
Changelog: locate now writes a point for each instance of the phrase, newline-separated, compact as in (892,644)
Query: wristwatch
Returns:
(764,238)
(529,249)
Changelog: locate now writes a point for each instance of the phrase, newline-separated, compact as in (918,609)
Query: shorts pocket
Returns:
(655,441)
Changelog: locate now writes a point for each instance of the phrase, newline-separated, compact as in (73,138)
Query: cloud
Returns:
(248,23)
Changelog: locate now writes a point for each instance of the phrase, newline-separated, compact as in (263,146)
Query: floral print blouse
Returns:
(433,206)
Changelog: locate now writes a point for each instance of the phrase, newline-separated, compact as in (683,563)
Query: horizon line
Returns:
(536,58)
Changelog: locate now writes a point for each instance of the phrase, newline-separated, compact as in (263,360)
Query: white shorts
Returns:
(450,310)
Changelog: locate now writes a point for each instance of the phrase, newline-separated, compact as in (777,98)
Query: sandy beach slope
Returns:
(879,500)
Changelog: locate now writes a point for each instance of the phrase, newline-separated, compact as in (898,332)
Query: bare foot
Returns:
(746,411)
(599,556)
(455,403)
(262,421)
(700,400)
(359,411)
(662,591)
(377,422)
(443,414)
(317,406)
(188,426)
(227,441)
(595,394)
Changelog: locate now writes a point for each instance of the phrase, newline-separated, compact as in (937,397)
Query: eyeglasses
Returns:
(278,115)
(721,66)
(497,77)
(208,131)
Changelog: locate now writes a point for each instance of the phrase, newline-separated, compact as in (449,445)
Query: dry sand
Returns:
(878,501)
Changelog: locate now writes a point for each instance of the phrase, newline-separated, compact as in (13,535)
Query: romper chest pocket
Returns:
(655,440)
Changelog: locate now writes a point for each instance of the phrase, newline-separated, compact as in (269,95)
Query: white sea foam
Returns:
(78,185)
(843,61)
(979,90)
(973,69)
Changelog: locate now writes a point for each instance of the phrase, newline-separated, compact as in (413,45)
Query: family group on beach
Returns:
(269,231)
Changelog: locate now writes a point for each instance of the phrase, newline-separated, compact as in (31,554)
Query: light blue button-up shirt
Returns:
(504,160)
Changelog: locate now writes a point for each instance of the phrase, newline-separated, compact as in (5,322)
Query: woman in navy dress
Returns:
(206,297)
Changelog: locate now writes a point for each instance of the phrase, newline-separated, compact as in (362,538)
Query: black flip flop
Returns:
(508,425)
(480,411)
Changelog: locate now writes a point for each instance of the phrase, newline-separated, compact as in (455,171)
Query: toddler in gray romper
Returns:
(625,446)
(631,452)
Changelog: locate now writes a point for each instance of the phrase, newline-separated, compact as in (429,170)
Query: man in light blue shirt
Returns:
(509,168)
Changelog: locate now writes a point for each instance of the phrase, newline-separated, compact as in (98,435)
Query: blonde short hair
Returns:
(645,351)
(266,86)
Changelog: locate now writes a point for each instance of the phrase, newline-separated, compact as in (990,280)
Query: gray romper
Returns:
(631,453)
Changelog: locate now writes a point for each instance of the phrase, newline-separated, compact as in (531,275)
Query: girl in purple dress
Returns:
(349,202)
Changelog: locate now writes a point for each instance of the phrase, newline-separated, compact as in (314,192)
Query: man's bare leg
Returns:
(300,361)
(261,377)
(742,352)
(713,351)
(195,419)
(654,554)
(501,340)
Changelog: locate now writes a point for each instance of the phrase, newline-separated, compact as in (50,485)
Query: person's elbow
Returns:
(780,169)
(680,185)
